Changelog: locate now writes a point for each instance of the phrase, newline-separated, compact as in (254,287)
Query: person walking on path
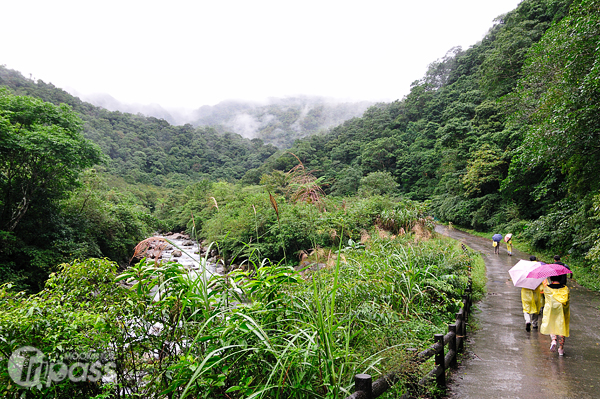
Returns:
(558,262)
(508,241)
(557,312)
(532,304)
(496,238)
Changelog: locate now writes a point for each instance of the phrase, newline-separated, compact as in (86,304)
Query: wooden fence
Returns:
(365,388)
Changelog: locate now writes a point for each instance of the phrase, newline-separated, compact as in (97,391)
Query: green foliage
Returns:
(43,154)
(92,221)
(377,183)
(347,182)
(558,97)
(568,228)
(316,335)
(74,314)
(42,151)
(263,332)
(517,32)
(484,171)
(556,106)
(103,222)
(245,221)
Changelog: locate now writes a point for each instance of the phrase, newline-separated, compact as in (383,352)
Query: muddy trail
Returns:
(502,360)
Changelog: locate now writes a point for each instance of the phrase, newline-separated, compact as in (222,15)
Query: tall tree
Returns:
(557,100)
(42,151)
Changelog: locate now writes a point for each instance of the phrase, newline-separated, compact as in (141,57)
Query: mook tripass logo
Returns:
(29,367)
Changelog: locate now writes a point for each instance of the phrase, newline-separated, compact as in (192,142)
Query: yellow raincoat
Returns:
(531,299)
(556,311)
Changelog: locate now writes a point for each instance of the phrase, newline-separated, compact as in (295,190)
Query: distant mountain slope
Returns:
(281,121)
(278,121)
(150,150)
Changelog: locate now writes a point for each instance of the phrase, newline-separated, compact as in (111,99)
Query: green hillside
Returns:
(150,150)
(500,136)
(282,120)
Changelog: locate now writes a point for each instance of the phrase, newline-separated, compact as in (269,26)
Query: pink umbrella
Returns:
(548,270)
(518,274)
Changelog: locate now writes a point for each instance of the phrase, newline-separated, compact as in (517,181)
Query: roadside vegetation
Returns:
(264,330)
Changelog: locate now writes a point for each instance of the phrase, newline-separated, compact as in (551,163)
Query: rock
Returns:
(188,243)
(302,265)
(177,253)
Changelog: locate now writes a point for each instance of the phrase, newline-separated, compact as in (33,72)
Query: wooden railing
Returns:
(365,388)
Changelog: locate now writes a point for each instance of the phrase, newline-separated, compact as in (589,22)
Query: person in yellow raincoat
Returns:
(508,240)
(532,303)
(557,312)
(533,258)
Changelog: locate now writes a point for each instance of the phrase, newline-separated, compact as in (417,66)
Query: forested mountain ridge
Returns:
(491,135)
(280,121)
(276,121)
(150,150)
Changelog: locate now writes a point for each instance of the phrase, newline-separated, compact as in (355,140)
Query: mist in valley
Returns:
(277,120)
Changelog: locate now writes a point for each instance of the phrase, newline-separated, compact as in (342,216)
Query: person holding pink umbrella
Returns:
(557,314)
(508,241)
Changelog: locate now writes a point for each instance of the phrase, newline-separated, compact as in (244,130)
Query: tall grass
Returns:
(296,338)
(269,331)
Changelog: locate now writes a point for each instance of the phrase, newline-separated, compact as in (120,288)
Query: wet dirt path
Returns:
(505,361)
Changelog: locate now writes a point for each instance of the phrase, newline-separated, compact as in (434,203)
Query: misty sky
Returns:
(194,53)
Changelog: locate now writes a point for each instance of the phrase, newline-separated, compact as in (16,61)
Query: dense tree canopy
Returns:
(48,214)
(557,99)
(42,151)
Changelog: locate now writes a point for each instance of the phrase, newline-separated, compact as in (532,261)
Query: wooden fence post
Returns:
(452,345)
(440,360)
(364,383)
(460,322)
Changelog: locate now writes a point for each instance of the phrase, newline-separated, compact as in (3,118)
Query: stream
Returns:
(188,253)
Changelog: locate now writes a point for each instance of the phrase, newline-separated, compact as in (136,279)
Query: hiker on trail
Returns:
(557,312)
(558,262)
(532,303)
(541,287)
(496,238)
(508,241)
